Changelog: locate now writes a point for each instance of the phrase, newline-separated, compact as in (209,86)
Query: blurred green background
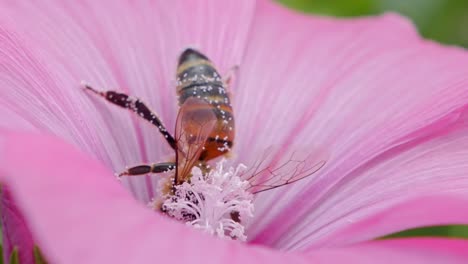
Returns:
(443,20)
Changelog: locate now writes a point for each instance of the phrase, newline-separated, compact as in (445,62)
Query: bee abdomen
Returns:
(198,75)
(197,78)
(195,68)
(211,93)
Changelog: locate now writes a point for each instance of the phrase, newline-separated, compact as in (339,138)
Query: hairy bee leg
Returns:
(148,168)
(230,75)
(137,106)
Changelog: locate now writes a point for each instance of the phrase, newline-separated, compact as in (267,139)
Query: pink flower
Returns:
(387,107)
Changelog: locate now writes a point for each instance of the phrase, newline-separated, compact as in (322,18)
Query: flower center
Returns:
(216,202)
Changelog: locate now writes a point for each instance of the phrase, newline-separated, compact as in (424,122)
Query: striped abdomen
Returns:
(197,77)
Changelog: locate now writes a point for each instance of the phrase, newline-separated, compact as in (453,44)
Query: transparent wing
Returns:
(195,122)
(273,169)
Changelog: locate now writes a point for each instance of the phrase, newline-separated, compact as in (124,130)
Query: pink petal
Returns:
(47,49)
(343,85)
(413,251)
(432,166)
(426,211)
(80,215)
(364,91)
(15,232)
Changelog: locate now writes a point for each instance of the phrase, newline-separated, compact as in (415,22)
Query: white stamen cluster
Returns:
(213,201)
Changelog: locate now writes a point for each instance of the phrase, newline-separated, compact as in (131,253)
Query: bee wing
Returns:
(273,169)
(195,122)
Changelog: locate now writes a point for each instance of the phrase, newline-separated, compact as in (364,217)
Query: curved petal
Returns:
(348,82)
(355,89)
(47,49)
(426,211)
(414,251)
(79,216)
(79,213)
(432,166)
(15,232)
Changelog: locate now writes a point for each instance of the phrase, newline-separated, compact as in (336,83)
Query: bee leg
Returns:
(227,80)
(148,168)
(137,106)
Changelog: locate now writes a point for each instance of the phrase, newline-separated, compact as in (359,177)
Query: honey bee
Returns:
(205,128)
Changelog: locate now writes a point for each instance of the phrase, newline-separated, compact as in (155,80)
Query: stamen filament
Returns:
(208,201)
